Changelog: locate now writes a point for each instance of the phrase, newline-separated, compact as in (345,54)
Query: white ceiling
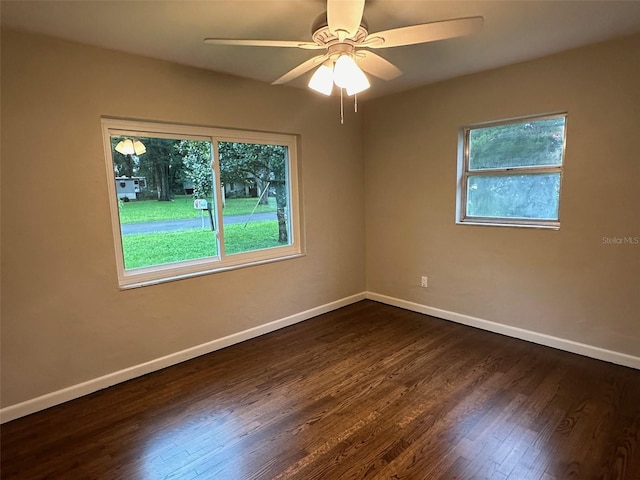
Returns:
(173,30)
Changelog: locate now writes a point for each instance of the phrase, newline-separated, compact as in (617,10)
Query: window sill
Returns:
(550,226)
(131,281)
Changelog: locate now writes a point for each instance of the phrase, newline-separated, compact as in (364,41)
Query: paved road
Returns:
(190,223)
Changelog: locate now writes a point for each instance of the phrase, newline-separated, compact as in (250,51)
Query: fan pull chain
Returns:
(341,109)
(355,103)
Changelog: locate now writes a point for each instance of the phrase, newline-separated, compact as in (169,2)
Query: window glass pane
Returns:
(527,143)
(256,209)
(159,223)
(531,196)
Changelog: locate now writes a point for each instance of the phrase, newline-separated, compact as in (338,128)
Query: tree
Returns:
(530,143)
(264,164)
(196,159)
(162,165)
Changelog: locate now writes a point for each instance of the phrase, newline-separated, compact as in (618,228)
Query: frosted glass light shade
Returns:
(358,84)
(125,147)
(348,75)
(129,147)
(322,80)
(139,148)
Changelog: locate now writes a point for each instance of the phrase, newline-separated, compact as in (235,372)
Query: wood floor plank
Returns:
(368,391)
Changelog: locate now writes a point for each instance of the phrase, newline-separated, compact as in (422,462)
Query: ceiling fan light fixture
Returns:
(322,80)
(130,147)
(347,75)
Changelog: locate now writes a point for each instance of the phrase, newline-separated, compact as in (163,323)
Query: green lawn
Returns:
(182,207)
(148,249)
(159,248)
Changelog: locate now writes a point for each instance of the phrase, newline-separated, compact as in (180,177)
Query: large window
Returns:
(510,172)
(192,200)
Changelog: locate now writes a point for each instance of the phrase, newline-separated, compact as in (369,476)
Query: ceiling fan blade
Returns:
(424,32)
(263,43)
(377,66)
(344,17)
(300,69)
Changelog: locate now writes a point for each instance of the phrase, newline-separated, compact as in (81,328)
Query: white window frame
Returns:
(464,172)
(137,277)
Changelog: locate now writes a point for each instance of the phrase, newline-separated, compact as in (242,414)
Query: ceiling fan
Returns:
(345,39)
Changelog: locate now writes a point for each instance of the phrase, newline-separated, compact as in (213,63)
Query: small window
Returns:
(510,172)
(165,231)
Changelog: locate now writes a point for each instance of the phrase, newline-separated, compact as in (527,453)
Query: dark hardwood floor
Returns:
(368,391)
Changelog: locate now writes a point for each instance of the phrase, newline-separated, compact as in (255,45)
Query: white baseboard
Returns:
(528,335)
(75,391)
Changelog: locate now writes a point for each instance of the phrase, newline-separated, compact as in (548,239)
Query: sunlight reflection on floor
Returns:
(197,446)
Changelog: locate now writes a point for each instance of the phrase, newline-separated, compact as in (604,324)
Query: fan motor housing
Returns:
(321,34)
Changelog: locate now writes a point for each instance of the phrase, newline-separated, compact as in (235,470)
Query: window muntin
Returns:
(510,172)
(207,213)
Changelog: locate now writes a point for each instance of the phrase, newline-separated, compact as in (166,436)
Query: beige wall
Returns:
(564,283)
(64,320)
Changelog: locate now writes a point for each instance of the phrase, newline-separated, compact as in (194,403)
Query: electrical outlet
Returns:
(424,282)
